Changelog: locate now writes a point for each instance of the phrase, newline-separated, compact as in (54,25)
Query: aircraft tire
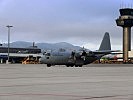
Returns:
(71,65)
(67,65)
(48,65)
(80,65)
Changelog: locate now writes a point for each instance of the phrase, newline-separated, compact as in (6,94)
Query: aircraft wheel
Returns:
(48,65)
(67,65)
(71,65)
(76,65)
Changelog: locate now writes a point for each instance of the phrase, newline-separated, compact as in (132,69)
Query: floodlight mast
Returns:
(8,26)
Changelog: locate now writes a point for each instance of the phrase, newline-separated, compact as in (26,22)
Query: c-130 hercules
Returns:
(77,58)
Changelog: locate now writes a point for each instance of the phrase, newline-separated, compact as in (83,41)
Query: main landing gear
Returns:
(48,65)
(73,65)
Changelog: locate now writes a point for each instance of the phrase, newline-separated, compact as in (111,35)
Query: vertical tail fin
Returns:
(105,44)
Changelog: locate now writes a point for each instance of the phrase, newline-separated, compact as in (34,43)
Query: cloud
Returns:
(75,21)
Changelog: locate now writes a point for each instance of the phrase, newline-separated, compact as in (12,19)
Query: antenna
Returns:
(125,5)
(122,4)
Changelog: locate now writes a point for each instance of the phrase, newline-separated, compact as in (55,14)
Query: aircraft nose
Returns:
(40,60)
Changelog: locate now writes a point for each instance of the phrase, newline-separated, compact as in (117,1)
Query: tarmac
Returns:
(91,82)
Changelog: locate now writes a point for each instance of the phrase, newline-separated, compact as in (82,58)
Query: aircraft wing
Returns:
(105,52)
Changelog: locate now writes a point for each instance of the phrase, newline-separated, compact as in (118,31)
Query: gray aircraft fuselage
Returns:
(64,58)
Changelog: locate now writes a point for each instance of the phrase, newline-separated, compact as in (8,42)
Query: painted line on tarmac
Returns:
(62,95)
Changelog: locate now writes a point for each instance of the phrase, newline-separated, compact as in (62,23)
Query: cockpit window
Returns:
(47,54)
(44,53)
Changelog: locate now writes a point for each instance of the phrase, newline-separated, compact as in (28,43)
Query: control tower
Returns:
(125,20)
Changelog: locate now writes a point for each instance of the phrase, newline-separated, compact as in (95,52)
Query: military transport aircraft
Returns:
(76,58)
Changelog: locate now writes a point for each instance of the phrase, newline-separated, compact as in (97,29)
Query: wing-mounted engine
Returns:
(78,58)
(78,55)
(90,53)
(72,57)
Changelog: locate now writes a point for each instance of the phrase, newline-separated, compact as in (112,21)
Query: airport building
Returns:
(130,56)
(17,55)
(116,57)
(20,50)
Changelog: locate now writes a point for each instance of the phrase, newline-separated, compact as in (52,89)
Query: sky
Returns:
(79,22)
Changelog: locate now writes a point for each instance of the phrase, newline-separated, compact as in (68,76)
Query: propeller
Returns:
(79,55)
(84,54)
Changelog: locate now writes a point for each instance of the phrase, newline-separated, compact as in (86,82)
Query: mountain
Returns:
(43,46)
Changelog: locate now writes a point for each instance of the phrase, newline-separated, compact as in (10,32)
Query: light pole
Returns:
(8,26)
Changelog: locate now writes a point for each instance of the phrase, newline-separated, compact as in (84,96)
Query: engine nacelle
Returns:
(90,53)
